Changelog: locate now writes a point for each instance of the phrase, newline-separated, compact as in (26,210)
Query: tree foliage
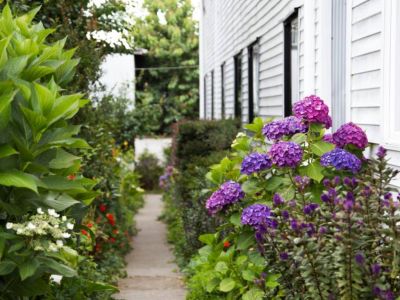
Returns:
(169,33)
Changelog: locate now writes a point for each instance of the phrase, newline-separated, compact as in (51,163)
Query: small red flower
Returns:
(98,220)
(84,232)
(102,207)
(71,177)
(111,219)
(112,240)
(90,225)
(227,244)
(115,231)
(98,247)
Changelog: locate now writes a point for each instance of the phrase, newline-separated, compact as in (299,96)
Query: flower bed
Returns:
(308,215)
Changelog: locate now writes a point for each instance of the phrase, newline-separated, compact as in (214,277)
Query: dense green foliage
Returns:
(49,208)
(170,93)
(197,145)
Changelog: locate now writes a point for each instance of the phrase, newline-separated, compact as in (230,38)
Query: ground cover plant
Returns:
(304,214)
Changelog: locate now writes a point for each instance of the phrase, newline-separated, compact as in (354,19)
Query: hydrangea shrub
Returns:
(323,217)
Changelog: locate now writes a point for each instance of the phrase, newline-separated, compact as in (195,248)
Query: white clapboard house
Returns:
(257,57)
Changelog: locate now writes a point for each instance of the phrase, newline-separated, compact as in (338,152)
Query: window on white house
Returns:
(238,86)
(253,78)
(223,91)
(392,72)
(291,62)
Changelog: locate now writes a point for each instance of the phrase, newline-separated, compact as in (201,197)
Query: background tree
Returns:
(170,90)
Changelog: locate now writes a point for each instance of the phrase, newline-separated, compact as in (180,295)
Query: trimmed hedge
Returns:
(196,146)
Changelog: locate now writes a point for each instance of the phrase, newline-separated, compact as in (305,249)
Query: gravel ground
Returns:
(152,274)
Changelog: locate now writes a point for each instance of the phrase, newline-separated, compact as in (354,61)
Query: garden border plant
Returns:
(307,216)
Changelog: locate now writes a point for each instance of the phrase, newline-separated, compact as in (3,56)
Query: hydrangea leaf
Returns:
(319,148)
(253,294)
(227,285)
(314,171)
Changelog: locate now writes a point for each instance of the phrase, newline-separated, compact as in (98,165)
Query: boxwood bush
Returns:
(196,146)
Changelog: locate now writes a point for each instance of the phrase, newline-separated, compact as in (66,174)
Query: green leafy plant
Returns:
(39,169)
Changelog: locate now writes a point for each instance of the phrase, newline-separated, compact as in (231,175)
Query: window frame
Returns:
(287,61)
(252,81)
(238,89)
(223,91)
(205,96)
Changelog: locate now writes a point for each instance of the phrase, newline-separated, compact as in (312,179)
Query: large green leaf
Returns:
(6,267)
(5,108)
(227,285)
(251,187)
(245,240)
(44,99)
(59,202)
(57,267)
(7,150)
(92,286)
(63,160)
(254,294)
(314,171)
(28,268)
(18,179)
(3,51)
(319,148)
(207,238)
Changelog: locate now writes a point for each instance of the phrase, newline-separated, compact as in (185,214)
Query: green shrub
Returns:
(36,144)
(149,169)
(196,146)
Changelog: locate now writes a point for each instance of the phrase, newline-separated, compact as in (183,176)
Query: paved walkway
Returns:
(151,272)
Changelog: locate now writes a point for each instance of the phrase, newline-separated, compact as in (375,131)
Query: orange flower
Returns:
(227,244)
(112,240)
(84,232)
(102,207)
(115,231)
(71,177)
(90,225)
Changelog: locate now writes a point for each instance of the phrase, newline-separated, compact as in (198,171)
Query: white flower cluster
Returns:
(120,22)
(46,230)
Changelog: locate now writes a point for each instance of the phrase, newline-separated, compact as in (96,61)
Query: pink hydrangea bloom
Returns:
(350,133)
(312,109)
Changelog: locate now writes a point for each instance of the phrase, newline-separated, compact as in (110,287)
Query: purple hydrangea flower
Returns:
(341,160)
(255,162)
(256,215)
(381,153)
(350,133)
(279,128)
(294,225)
(230,192)
(286,154)
(313,110)
(277,199)
(328,138)
(310,208)
(285,214)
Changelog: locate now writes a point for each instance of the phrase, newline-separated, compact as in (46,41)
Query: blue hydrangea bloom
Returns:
(255,162)
(341,160)
(230,192)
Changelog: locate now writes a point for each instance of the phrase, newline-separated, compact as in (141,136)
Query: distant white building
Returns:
(118,76)
(257,57)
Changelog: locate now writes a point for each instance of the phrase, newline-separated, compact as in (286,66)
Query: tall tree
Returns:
(168,84)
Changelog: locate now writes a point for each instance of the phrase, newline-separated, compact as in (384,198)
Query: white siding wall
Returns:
(365,66)
(230,26)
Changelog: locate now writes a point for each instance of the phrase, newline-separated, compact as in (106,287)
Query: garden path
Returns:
(151,271)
